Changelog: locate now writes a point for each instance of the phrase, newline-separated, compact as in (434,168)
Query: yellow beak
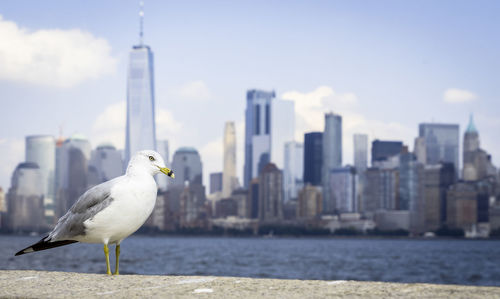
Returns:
(167,171)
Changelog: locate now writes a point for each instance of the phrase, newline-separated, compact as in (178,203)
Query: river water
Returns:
(396,260)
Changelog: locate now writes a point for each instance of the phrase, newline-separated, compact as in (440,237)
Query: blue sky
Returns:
(384,65)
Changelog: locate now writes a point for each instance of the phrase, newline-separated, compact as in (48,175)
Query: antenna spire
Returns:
(141,21)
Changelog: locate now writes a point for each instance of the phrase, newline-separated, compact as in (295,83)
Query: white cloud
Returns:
(166,125)
(11,153)
(109,126)
(52,57)
(455,95)
(310,108)
(194,91)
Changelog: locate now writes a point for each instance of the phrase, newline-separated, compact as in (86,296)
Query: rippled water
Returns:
(396,260)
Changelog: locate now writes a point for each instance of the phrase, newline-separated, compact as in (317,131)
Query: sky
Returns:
(385,66)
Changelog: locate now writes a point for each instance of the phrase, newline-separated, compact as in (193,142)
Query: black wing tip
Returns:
(20,252)
(43,244)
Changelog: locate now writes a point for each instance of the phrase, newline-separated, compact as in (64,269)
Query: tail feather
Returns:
(44,244)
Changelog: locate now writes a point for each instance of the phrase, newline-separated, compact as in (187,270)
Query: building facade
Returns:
(187,166)
(360,152)
(380,190)
(411,191)
(140,129)
(437,179)
(332,157)
(229,179)
(313,158)
(420,150)
(25,199)
(215,182)
(41,149)
(293,170)
(257,133)
(105,164)
(310,202)
(343,189)
(441,143)
(383,150)
(282,129)
(461,200)
(271,193)
(73,158)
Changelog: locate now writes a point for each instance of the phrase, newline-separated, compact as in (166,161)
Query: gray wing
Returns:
(86,207)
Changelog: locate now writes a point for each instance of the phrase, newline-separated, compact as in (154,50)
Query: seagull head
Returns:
(149,161)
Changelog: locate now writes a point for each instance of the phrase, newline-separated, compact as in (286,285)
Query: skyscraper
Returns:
(441,143)
(438,178)
(383,150)
(310,202)
(471,146)
(313,158)
(188,167)
(73,159)
(105,164)
(461,205)
(412,191)
(380,189)
(476,162)
(25,199)
(257,133)
(3,204)
(282,129)
(216,182)
(41,149)
(229,179)
(360,152)
(411,184)
(332,156)
(419,150)
(343,181)
(270,193)
(140,131)
(293,169)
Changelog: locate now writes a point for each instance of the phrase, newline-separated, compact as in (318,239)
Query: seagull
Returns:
(110,212)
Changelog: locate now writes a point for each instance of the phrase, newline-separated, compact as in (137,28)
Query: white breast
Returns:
(133,202)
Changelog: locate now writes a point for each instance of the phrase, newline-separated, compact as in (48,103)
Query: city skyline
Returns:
(87,102)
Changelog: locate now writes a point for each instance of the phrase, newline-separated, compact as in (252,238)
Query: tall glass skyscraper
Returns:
(141,132)
(293,169)
(332,156)
(441,143)
(313,157)
(383,150)
(257,133)
(360,152)
(282,129)
(41,149)
(229,179)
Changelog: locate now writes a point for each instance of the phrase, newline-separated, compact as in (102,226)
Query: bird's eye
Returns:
(151,158)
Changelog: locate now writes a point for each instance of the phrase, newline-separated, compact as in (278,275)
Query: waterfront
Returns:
(393,260)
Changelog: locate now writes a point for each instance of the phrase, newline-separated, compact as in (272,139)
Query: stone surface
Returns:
(42,284)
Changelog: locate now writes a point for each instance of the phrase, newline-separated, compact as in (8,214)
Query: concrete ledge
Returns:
(42,284)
